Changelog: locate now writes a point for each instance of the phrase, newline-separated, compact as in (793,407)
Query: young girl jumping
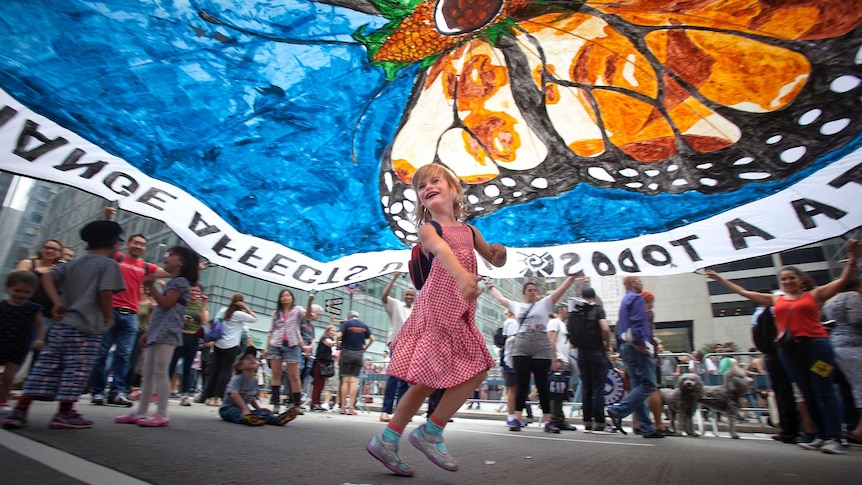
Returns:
(164,335)
(439,346)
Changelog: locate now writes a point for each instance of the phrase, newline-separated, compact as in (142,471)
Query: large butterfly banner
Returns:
(280,138)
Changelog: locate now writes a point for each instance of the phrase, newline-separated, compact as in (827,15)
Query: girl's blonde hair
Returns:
(436,170)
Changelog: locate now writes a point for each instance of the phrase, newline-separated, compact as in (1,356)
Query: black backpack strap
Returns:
(437,227)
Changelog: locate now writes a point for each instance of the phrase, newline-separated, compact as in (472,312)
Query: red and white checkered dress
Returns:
(439,345)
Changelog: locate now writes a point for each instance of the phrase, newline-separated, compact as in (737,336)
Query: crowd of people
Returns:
(111,314)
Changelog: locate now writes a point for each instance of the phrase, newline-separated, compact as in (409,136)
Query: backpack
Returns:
(499,338)
(215,332)
(420,264)
(764,333)
(583,324)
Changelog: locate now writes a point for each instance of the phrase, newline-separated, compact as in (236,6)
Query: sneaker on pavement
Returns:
(551,428)
(253,420)
(564,426)
(186,401)
(513,424)
(350,412)
(154,421)
(813,445)
(427,444)
(286,417)
(121,400)
(653,434)
(71,420)
(617,420)
(14,420)
(833,447)
(98,399)
(131,418)
(387,453)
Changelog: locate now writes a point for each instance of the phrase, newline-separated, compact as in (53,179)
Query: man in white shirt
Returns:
(398,312)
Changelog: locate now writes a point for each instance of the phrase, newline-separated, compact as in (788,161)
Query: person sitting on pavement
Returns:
(242,392)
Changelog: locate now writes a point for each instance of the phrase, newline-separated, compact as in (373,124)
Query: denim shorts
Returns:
(284,352)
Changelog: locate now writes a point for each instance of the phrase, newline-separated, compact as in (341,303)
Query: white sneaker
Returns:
(186,401)
(814,445)
(833,447)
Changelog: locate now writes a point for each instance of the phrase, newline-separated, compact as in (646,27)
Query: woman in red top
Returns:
(805,351)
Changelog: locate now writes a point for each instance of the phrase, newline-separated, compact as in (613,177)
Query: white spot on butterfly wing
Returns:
(842,84)
(810,117)
(792,155)
(835,126)
(600,174)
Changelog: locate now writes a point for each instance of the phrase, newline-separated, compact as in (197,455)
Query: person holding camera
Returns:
(804,347)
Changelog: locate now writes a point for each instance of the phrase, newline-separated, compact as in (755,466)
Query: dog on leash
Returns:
(682,402)
(725,398)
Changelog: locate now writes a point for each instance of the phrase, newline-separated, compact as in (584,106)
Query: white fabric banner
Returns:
(816,208)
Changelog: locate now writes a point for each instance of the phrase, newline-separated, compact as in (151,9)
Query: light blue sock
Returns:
(434,429)
(390,435)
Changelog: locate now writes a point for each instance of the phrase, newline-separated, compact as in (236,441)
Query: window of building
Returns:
(754,283)
(677,336)
(733,308)
(802,256)
(750,263)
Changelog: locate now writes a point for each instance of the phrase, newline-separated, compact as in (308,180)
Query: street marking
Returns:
(549,438)
(65,463)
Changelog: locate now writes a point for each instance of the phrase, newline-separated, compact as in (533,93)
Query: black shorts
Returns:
(350,363)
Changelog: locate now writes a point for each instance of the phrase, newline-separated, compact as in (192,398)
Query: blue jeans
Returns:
(122,334)
(233,414)
(640,369)
(818,390)
(394,387)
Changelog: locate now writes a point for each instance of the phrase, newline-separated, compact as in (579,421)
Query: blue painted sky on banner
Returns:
(274,117)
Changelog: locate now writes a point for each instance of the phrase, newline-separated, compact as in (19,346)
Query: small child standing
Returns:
(18,316)
(164,335)
(84,313)
(439,346)
(242,392)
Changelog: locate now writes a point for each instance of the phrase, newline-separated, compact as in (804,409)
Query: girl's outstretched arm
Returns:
(493,253)
(468,282)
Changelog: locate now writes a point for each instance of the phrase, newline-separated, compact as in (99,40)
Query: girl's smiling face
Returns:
(285,298)
(20,293)
(435,193)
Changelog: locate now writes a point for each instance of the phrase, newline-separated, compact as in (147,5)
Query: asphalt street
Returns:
(328,449)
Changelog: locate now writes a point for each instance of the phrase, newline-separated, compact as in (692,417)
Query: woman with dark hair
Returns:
(48,257)
(533,351)
(285,345)
(226,348)
(805,350)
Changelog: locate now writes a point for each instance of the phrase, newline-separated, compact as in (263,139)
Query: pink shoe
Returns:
(154,421)
(130,418)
